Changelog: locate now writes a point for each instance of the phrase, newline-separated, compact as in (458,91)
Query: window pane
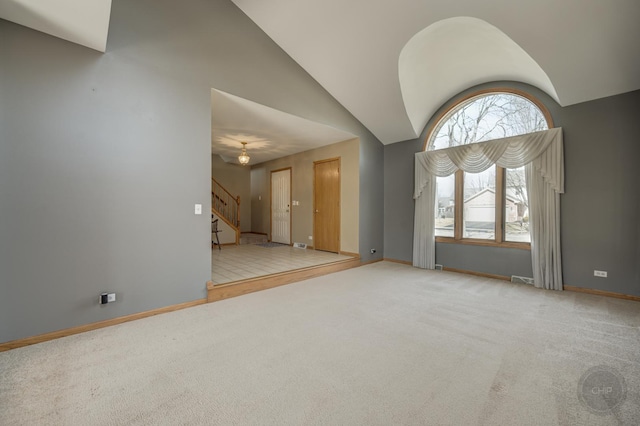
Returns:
(516,207)
(486,117)
(445,206)
(479,212)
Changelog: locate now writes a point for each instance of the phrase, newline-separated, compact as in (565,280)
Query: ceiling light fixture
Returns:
(243,158)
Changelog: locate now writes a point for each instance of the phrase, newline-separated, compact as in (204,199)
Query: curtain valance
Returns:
(542,149)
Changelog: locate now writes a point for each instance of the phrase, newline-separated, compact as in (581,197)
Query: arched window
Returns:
(491,207)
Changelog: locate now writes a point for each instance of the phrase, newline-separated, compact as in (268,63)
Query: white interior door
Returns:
(281,206)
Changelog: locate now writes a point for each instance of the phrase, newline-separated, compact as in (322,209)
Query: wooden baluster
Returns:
(226,204)
(238,212)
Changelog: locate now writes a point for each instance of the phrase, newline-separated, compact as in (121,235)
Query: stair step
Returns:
(253,238)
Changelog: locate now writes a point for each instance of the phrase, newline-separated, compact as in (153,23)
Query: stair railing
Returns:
(225,203)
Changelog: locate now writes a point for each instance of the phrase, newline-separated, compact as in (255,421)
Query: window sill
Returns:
(486,243)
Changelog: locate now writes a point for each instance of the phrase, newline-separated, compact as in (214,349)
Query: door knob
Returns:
(317,211)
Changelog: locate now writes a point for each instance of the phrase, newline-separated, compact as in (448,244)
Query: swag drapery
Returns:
(542,155)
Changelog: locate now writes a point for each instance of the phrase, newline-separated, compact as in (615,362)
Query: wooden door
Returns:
(281,206)
(326,202)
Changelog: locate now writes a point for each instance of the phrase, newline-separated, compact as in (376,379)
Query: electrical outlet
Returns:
(311,237)
(602,274)
(106,298)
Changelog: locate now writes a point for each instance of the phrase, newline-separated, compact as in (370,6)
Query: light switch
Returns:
(198,209)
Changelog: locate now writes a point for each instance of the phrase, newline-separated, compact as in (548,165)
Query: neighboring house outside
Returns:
(480,207)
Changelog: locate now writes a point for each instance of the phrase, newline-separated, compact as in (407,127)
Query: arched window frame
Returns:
(499,240)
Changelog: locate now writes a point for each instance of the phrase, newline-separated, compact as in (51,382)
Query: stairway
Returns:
(251,238)
(226,207)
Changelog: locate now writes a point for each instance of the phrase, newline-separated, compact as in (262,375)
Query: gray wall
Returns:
(102,157)
(601,207)
(600,210)
(371,199)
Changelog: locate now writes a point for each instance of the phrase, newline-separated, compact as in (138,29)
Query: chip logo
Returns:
(601,389)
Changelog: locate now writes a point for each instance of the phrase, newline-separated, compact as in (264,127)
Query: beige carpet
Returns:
(380,344)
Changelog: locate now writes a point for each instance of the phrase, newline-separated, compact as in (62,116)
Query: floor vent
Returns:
(438,267)
(300,245)
(521,280)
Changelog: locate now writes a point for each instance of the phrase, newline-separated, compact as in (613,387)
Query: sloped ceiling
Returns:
(575,50)
(393,63)
(84,22)
(269,133)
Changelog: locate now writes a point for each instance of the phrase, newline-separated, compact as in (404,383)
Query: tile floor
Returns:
(234,263)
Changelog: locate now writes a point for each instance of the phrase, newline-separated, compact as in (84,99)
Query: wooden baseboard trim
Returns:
(505,278)
(601,293)
(404,262)
(95,325)
(347,253)
(478,274)
(238,288)
(369,262)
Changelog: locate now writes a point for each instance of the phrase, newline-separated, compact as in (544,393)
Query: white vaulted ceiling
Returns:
(575,50)
(472,44)
(392,64)
(85,22)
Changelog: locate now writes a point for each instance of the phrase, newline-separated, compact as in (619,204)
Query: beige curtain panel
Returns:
(541,153)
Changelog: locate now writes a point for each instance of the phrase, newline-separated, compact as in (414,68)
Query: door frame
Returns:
(290,203)
(327,160)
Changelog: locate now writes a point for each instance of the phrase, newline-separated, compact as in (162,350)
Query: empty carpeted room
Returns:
(485,225)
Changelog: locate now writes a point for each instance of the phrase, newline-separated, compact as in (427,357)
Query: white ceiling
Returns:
(84,22)
(392,64)
(472,44)
(269,133)
(575,50)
